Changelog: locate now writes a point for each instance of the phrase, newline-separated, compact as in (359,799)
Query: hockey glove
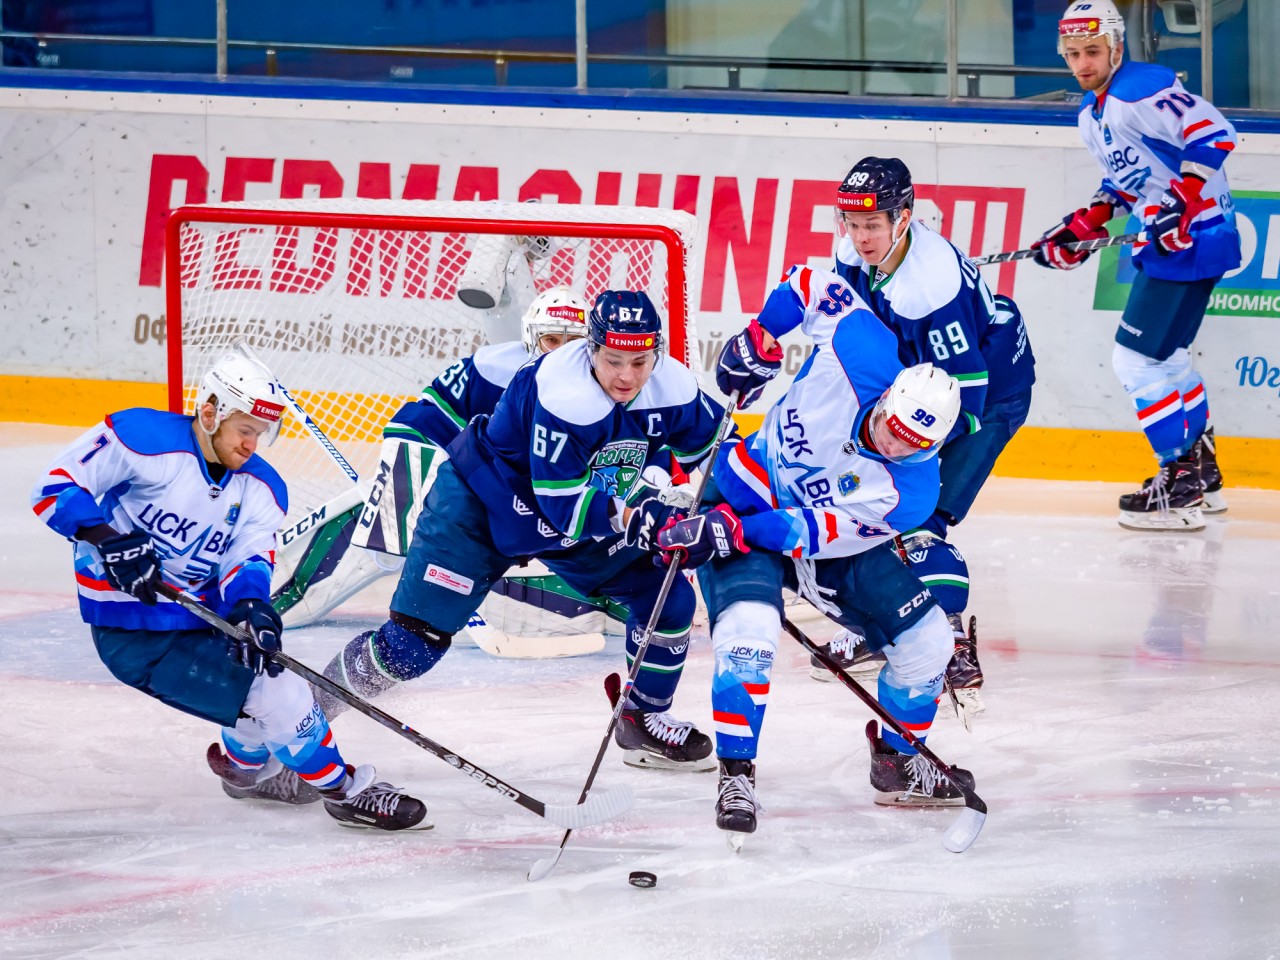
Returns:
(1171,226)
(263,623)
(692,542)
(656,482)
(1082,225)
(130,563)
(747,366)
(647,519)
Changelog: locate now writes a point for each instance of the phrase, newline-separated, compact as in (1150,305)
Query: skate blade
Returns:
(425,824)
(904,799)
(643,760)
(1181,519)
(1214,502)
(735,840)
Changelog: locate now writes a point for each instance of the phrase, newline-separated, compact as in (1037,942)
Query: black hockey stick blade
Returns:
(602,806)
(968,825)
(1077,247)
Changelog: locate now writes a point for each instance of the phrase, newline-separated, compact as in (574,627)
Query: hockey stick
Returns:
(545,865)
(603,806)
(968,825)
(1080,246)
(312,427)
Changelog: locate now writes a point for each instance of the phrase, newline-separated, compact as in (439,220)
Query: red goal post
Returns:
(355,304)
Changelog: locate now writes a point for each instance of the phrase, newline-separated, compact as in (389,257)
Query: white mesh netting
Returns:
(355,305)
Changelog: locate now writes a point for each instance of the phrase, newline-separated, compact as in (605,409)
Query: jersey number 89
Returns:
(958,343)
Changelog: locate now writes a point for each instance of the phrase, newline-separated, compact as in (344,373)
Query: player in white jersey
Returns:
(322,568)
(149,497)
(845,460)
(1162,151)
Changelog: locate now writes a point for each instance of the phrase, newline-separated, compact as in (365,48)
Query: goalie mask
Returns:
(1089,20)
(911,420)
(554,312)
(238,383)
(625,320)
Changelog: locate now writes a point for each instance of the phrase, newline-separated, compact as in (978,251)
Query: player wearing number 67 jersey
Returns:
(845,460)
(940,309)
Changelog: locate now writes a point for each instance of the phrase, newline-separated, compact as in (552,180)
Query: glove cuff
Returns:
(756,333)
(1098,215)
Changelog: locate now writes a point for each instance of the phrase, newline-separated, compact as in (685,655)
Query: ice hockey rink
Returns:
(1128,756)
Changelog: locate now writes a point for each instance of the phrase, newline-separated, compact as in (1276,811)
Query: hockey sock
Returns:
(739,695)
(404,648)
(915,713)
(282,716)
(1156,389)
(1195,403)
(245,756)
(655,685)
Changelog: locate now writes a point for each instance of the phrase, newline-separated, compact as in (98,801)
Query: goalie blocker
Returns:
(343,546)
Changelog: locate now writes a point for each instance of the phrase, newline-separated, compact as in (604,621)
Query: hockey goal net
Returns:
(356,305)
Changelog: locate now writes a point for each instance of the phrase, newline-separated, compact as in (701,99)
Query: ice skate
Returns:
(901,779)
(736,805)
(361,802)
(964,673)
(660,742)
(1170,501)
(274,782)
(1206,453)
(849,650)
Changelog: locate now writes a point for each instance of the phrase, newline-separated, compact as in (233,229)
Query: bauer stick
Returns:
(968,825)
(1080,246)
(312,427)
(544,866)
(603,806)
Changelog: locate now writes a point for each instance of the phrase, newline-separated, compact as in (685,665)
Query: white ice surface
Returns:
(1128,756)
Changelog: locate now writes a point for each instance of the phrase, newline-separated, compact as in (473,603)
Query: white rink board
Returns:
(89,177)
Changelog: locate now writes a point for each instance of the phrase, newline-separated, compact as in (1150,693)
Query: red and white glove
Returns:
(1084,224)
(1171,226)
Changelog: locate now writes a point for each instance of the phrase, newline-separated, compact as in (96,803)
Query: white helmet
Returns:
(558,310)
(920,407)
(237,383)
(1088,19)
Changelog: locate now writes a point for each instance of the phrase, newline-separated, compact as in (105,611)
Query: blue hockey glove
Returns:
(130,563)
(264,625)
(1171,226)
(647,519)
(692,542)
(746,365)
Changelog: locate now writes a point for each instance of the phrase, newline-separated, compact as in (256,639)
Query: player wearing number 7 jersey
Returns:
(933,299)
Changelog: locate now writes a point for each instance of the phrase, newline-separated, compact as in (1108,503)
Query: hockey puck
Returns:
(642,878)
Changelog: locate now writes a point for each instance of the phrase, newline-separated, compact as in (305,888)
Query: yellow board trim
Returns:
(1044,453)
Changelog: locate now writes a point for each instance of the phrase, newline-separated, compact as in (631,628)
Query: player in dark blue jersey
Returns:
(936,303)
(149,497)
(555,473)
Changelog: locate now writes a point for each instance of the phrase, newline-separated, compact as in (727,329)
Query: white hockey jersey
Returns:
(804,484)
(1145,127)
(142,469)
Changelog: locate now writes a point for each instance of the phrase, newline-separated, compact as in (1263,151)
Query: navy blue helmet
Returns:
(625,320)
(876,183)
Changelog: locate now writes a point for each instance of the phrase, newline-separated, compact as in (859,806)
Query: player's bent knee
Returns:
(919,654)
(746,630)
(1139,374)
(277,706)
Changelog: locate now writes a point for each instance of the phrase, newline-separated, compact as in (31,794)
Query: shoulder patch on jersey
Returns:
(498,362)
(153,432)
(929,277)
(566,388)
(1136,81)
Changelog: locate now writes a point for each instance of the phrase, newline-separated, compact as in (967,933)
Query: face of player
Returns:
(1089,59)
(621,373)
(236,438)
(554,341)
(888,444)
(873,234)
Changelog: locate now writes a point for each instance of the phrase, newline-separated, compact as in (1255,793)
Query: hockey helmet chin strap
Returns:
(905,222)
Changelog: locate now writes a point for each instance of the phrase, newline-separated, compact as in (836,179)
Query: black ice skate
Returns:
(1206,453)
(1170,501)
(283,786)
(901,779)
(849,650)
(660,742)
(964,673)
(736,806)
(379,806)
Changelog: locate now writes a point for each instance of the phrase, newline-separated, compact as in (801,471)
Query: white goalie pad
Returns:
(406,471)
(531,613)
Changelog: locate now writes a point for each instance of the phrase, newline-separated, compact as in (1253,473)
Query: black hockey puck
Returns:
(642,878)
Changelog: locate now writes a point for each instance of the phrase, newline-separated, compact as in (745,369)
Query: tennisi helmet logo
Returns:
(629,341)
(856,201)
(266,410)
(566,312)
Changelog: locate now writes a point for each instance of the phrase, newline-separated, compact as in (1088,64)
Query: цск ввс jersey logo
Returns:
(616,467)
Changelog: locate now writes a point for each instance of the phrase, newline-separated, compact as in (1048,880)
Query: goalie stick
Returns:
(968,825)
(603,806)
(545,865)
(1077,247)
